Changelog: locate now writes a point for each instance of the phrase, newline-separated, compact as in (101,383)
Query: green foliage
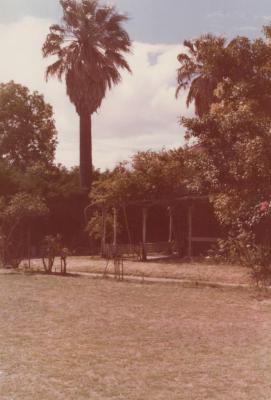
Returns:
(234,249)
(159,174)
(9,178)
(240,248)
(211,66)
(23,205)
(202,66)
(20,207)
(52,246)
(259,260)
(95,226)
(149,175)
(27,144)
(234,136)
(238,154)
(15,216)
(27,128)
(50,182)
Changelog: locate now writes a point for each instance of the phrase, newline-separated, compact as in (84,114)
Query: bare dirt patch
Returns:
(79,338)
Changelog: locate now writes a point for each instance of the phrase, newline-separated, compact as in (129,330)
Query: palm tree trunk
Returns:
(85,151)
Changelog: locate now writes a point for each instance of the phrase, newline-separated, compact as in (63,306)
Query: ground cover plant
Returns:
(81,338)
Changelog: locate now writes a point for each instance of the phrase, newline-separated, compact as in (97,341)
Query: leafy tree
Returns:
(94,226)
(15,215)
(53,247)
(27,128)
(89,47)
(27,144)
(235,162)
(149,175)
(212,62)
(59,187)
(9,178)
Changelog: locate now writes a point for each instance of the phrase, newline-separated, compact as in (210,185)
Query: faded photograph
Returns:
(135,200)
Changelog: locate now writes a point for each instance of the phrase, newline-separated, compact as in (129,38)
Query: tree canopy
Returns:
(147,177)
(211,61)
(234,134)
(199,71)
(27,127)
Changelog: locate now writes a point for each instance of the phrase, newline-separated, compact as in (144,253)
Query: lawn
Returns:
(167,268)
(78,338)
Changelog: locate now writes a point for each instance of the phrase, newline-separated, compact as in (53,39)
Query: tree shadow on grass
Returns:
(31,272)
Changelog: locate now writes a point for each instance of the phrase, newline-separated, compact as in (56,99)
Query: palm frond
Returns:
(190,45)
(117,60)
(57,29)
(52,44)
(201,70)
(56,69)
(90,45)
(201,92)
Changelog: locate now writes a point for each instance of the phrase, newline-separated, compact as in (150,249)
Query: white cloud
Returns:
(141,113)
(218,14)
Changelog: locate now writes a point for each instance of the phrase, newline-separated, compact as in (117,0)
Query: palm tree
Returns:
(89,47)
(202,66)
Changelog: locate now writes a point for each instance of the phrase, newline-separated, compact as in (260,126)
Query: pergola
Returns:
(144,247)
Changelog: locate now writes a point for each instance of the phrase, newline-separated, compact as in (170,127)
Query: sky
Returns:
(141,113)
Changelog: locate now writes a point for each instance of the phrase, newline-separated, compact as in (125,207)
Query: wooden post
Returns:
(103,243)
(144,234)
(189,252)
(115,227)
(170,233)
(29,247)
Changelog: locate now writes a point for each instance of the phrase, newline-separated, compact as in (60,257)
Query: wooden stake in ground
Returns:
(144,234)
(190,213)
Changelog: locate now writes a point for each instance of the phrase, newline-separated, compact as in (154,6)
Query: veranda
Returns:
(191,229)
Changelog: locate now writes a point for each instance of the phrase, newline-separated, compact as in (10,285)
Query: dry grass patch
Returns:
(161,269)
(81,339)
